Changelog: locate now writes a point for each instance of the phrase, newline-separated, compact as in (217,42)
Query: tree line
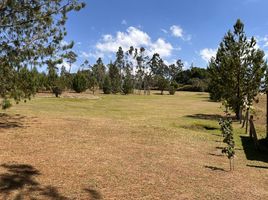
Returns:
(131,71)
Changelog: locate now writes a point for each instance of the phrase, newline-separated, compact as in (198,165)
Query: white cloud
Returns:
(124,22)
(161,47)
(176,31)
(95,55)
(164,30)
(207,54)
(136,38)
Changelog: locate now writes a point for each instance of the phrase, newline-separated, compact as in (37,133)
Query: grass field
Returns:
(125,147)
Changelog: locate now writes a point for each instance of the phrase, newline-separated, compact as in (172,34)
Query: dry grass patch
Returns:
(122,147)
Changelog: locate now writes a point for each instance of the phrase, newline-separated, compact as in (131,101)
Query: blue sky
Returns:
(189,30)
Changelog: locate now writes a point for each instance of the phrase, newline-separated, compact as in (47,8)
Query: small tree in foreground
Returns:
(227,133)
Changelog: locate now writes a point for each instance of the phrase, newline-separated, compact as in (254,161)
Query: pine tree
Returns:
(127,87)
(115,78)
(237,70)
(31,35)
(107,88)
(99,72)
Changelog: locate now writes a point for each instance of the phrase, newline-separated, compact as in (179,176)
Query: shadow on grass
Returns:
(214,117)
(256,166)
(94,194)
(200,127)
(20,178)
(214,154)
(250,151)
(205,116)
(11,121)
(214,168)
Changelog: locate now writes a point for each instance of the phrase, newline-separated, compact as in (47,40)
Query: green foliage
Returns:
(80,83)
(31,35)
(184,76)
(115,78)
(227,133)
(57,91)
(127,86)
(107,88)
(162,83)
(98,71)
(199,85)
(6,104)
(173,88)
(92,83)
(236,72)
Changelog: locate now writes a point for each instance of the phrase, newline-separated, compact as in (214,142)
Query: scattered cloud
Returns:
(136,38)
(207,54)
(164,30)
(124,22)
(95,55)
(176,31)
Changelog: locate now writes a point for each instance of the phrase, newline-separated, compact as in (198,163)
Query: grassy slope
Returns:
(127,147)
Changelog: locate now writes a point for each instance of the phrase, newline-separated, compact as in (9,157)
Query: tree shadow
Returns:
(20,178)
(94,194)
(256,166)
(11,121)
(214,154)
(200,127)
(214,168)
(251,152)
(213,117)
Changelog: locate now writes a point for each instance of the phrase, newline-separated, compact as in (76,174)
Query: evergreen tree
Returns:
(115,78)
(31,32)
(237,70)
(120,63)
(107,88)
(99,72)
(80,83)
(127,87)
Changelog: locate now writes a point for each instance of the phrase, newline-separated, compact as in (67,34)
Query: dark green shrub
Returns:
(57,91)
(6,104)
(107,88)
(80,82)
(173,87)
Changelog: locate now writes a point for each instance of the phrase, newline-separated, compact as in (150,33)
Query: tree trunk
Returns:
(238,113)
(247,123)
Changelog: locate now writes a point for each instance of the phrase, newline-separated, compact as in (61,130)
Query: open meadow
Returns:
(125,147)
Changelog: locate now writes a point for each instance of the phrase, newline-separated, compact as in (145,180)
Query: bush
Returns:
(127,87)
(80,82)
(57,91)
(6,104)
(172,88)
